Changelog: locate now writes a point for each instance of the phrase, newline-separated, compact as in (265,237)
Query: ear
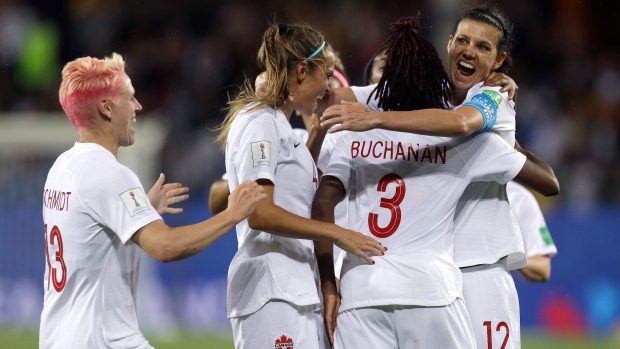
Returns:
(499,60)
(302,70)
(450,42)
(105,109)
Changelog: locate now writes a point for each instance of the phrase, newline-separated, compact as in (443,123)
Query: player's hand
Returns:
(162,195)
(359,244)
(350,116)
(331,304)
(243,200)
(505,81)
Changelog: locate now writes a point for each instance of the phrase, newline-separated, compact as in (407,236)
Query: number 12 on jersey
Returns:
(391,204)
(55,239)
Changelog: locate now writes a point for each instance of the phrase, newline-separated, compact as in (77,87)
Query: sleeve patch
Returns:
(261,153)
(546,236)
(487,107)
(134,201)
(495,97)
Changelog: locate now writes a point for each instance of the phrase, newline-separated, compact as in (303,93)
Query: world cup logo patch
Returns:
(261,153)
(284,343)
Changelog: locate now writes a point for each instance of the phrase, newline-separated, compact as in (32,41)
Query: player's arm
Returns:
(161,195)
(538,268)
(276,220)
(167,244)
(537,174)
(218,196)
(434,122)
(328,195)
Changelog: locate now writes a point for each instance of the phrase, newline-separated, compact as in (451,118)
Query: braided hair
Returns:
(493,17)
(413,77)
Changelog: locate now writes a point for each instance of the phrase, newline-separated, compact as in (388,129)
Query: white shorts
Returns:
(405,327)
(493,305)
(276,324)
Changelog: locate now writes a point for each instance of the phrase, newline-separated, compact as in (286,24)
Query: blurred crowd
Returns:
(185,58)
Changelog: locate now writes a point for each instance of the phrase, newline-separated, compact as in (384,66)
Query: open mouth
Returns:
(466,69)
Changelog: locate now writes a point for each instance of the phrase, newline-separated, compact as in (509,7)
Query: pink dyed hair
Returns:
(85,81)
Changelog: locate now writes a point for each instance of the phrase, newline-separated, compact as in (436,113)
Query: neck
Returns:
(287,109)
(101,137)
(457,96)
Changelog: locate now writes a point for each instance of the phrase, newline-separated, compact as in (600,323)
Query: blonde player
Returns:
(97,215)
(272,295)
(539,246)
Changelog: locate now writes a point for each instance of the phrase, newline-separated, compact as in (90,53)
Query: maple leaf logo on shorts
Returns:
(284,343)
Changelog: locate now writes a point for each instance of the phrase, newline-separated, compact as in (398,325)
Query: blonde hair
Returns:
(85,81)
(283,47)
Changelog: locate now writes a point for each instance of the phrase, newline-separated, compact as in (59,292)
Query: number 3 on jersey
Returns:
(391,204)
(55,239)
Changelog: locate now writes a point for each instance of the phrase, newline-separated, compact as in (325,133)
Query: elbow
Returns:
(552,189)
(462,126)
(256,221)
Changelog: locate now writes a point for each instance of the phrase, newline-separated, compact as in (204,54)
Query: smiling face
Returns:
(311,85)
(123,113)
(473,54)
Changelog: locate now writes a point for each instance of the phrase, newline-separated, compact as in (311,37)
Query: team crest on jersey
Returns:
(495,97)
(261,153)
(134,201)
(284,343)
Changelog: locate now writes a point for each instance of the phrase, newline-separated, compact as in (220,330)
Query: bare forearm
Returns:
(218,196)
(276,220)
(167,244)
(538,269)
(537,175)
(432,122)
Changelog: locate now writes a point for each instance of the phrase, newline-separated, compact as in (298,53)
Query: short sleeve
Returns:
(536,237)
(362,94)
(327,149)
(489,158)
(257,150)
(339,165)
(117,199)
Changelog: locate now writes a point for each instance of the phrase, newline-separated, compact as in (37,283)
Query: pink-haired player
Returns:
(96,215)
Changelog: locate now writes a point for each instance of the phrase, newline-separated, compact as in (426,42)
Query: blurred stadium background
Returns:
(186,56)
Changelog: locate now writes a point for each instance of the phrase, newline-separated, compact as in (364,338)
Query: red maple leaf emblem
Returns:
(284,343)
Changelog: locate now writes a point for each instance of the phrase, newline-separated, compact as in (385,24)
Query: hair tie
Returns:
(282,28)
(343,81)
(316,52)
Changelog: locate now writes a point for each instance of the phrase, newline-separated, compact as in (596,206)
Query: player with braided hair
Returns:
(366,166)
(272,294)
(486,249)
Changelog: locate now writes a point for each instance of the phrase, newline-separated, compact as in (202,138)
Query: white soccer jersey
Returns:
(262,144)
(536,237)
(485,228)
(403,189)
(92,206)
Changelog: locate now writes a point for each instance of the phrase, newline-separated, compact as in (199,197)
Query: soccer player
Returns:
(272,294)
(403,188)
(485,250)
(97,215)
(539,246)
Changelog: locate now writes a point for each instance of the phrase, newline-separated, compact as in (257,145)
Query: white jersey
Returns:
(92,206)
(485,228)
(536,237)
(403,189)
(262,145)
